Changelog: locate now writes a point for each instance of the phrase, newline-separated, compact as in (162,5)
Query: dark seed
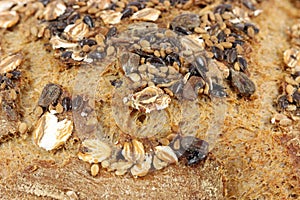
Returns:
(77,103)
(221,36)
(282,102)
(67,103)
(200,66)
(249,5)
(239,26)
(243,84)
(222,8)
(296,98)
(111,32)
(242,63)
(44,2)
(218,53)
(157,62)
(182,30)
(296,74)
(217,91)
(177,87)
(238,42)
(9,111)
(89,42)
(66,55)
(89,21)
(127,12)
(7,81)
(171,58)
(139,5)
(72,19)
(50,94)
(196,82)
(231,55)
(96,55)
(16,74)
(195,149)
(116,83)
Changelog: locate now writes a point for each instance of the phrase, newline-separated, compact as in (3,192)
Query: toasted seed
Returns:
(50,94)
(59,108)
(226,45)
(289,89)
(94,169)
(243,84)
(23,127)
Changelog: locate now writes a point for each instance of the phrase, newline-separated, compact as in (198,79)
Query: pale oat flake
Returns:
(10,63)
(96,151)
(146,14)
(50,133)
(111,17)
(8,19)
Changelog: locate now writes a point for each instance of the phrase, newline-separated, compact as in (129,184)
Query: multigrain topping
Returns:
(152,69)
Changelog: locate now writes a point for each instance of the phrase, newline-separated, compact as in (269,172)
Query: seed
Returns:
(50,94)
(88,42)
(289,89)
(110,50)
(144,43)
(250,31)
(186,21)
(236,66)
(67,103)
(226,16)
(226,45)
(221,36)
(59,108)
(242,63)
(200,30)
(105,164)
(164,141)
(86,48)
(23,127)
(77,103)
(231,55)
(88,20)
(156,53)
(13,94)
(195,149)
(208,42)
(218,53)
(243,84)
(134,77)
(94,169)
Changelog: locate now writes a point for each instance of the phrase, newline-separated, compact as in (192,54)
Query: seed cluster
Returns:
(290,99)
(199,53)
(10,81)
